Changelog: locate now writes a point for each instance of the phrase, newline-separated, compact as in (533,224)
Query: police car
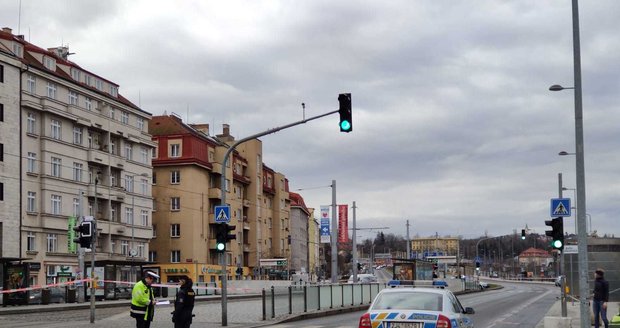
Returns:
(410,307)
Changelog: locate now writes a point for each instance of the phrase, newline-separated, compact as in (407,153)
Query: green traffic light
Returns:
(557,244)
(220,246)
(345,125)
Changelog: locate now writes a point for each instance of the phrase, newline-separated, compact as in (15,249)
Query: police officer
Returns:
(143,301)
(183,304)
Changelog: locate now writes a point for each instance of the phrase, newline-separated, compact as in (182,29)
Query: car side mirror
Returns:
(469,310)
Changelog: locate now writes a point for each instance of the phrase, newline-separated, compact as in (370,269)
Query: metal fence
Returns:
(298,299)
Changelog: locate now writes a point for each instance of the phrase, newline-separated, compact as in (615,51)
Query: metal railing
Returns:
(298,299)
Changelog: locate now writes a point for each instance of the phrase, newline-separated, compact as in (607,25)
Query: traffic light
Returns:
(221,232)
(556,233)
(230,234)
(85,234)
(523,234)
(477,265)
(346,119)
(359,266)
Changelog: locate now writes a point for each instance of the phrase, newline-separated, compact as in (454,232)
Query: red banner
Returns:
(343,223)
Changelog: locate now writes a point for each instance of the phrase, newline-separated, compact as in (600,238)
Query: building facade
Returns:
(188,167)
(434,246)
(84,149)
(299,241)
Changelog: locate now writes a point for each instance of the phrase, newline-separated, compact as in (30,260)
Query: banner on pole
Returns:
(325,230)
(343,223)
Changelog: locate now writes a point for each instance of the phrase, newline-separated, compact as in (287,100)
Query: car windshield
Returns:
(409,301)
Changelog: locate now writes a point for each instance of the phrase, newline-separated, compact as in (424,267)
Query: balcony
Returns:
(98,156)
(215,193)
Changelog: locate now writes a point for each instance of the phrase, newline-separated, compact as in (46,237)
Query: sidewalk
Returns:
(554,319)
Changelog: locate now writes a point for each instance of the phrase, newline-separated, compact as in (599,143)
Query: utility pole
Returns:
(334,241)
(408,242)
(561,257)
(354,248)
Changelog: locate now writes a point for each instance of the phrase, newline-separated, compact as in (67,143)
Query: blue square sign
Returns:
(560,207)
(222,214)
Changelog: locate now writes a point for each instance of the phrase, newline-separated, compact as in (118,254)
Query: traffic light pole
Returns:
(561,269)
(224,272)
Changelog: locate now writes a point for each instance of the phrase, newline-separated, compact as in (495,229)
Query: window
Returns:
(77,135)
(56,166)
(152,256)
(112,113)
(32,160)
(140,123)
(175,203)
(211,156)
(56,129)
(114,91)
(1,74)
(144,215)
(30,127)
(77,171)
(99,85)
(144,183)
(88,103)
(1,191)
(175,256)
(175,150)
(73,98)
(56,204)
(129,183)
(129,215)
(51,90)
(31,243)
(140,250)
(52,242)
(49,63)
(87,79)
(76,206)
(154,178)
(175,177)
(154,231)
(1,112)
(175,230)
(144,155)
(18,50)
(128,151)
(1,152)
(31,84)
(32,198)
(124,117)
(75,74)
(124,247)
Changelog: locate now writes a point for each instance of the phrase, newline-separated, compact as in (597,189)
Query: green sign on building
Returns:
(71,246)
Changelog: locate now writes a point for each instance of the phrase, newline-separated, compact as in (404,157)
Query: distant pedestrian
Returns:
(601,296)
(183,304)
(143,301)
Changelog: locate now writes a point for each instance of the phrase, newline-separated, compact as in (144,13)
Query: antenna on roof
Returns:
(19,17)
(303,107)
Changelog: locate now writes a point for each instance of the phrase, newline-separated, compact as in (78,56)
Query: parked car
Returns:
(57,295)
(416,307)
(363,278)
(558,281)
(122,292)
(483,284)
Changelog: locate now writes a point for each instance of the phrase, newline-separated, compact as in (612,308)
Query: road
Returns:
(515,305)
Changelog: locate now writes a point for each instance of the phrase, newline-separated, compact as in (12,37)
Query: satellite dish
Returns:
(133,253)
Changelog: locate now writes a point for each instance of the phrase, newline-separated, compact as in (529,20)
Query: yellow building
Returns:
(429,246)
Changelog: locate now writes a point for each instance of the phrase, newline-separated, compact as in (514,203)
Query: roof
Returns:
(298,201)
(415,290)
(31,61)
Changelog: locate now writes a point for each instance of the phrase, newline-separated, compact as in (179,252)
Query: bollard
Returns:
(305,298)
(290,300)
(273,302)
(263,295)
(318,289)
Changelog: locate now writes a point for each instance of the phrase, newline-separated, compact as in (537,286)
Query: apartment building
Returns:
(299,228)
(423,247)
(188,186)
(83,149)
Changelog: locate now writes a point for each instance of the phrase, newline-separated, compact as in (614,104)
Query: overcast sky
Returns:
(454,128)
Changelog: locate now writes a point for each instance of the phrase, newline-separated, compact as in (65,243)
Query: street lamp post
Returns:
(582,238)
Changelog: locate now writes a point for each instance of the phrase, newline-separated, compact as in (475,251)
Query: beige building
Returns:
(85,150)
(441,246)
(187,167)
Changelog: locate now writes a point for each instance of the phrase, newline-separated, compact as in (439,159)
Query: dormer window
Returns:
(75,74)
(18,50)
(49,63)
(99,84)
(87,79)
(114,91)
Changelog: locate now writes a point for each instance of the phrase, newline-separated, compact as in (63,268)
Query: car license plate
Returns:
(405,325)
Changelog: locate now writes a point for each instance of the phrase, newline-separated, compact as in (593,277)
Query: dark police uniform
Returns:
(184,305)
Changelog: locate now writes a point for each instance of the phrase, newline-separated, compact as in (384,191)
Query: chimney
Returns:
(204,128)
(7,30)
(225,136)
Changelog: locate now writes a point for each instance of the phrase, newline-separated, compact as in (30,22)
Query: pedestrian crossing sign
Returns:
(222,214)
(560,207)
